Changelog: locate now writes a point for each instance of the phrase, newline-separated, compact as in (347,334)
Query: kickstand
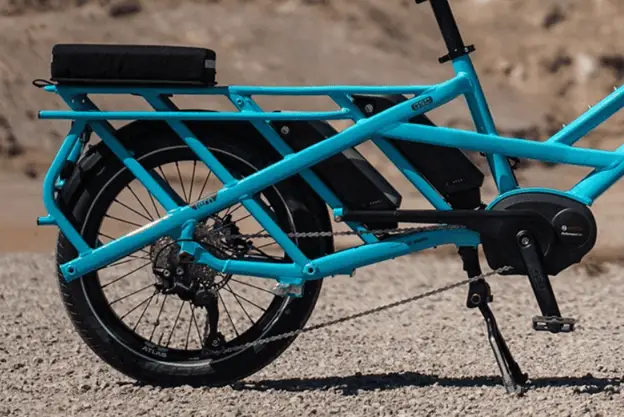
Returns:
(479,295)
(512,375)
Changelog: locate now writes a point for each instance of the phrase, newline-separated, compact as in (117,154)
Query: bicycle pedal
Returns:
(553,324)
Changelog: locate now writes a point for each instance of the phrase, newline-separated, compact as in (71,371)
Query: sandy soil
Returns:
(426,359)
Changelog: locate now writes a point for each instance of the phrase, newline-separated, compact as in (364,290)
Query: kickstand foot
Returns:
(512,375)
(479,295)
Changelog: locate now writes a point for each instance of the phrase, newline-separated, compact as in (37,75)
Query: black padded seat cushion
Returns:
(132,64)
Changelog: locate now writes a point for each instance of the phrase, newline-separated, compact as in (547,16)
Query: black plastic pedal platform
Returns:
(553,324)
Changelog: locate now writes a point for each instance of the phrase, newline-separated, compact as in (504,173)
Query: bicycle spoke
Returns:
(140,202)
(227,312)
(126,275)
(131,294)
(190,197)
(115,238)
(252,286)
(242,218)
(239,303)
(230,208)
(175,323)
(107,236)
(164,176)
(123,220)
(144,310)
(132,259)
(258,249)
(258,232)
(201,193)
(133,210)
(228,225)
(181,182)
(244,299)
(154,204)
(266,255)
(188,333)
(265,245)
(157,322)
(147,300)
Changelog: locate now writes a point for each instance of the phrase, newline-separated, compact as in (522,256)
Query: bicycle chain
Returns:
(264,341)
(360,314)
(351,232)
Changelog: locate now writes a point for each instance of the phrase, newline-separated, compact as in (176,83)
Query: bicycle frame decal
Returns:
(389,124)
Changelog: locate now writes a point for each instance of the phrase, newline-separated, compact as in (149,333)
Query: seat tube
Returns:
(458,53)
(484,123)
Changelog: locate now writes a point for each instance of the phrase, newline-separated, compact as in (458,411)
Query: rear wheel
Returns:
(168,328)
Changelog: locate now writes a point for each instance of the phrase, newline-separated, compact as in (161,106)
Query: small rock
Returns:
(612,389)
(122,8)
(615,63)
(553,18)
(30,171)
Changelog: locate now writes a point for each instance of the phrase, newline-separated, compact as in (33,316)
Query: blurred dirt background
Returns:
(541,62)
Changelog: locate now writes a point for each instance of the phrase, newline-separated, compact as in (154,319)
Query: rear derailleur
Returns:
(189,288)
(196,283)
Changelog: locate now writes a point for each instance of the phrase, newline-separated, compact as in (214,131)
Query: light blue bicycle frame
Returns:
(179,222)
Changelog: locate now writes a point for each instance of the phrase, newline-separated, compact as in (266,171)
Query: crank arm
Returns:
(551,319)
(539,280)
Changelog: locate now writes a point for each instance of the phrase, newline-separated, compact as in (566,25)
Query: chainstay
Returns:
(361,314)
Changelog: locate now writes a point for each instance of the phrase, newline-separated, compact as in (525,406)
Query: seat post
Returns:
(450,32)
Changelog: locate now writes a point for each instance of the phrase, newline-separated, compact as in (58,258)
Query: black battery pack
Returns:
(448,170)
(348,174)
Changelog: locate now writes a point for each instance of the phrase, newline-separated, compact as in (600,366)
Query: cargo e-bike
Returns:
(193,243)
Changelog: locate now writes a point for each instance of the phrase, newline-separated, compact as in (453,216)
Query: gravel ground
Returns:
(429,358)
